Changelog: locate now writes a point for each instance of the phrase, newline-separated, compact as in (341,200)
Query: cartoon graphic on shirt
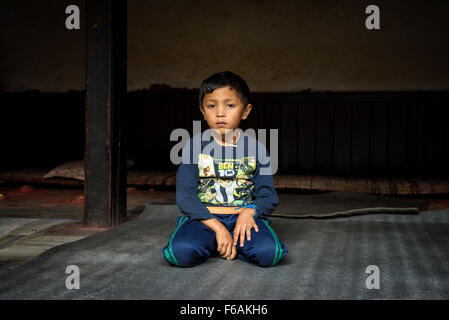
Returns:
(232,186)
(247,167)
(205,191)
(225,188)
(206,165)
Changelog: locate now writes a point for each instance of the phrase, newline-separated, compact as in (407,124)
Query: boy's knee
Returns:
(266,256)
(268,253)
(184,254)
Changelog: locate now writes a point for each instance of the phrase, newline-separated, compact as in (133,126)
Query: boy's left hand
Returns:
(245,222)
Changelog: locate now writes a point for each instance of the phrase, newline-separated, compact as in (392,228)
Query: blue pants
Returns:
(192,243)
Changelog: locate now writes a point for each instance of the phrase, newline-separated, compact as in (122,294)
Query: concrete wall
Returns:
(275,45)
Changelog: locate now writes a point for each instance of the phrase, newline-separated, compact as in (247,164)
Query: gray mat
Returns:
(327,259)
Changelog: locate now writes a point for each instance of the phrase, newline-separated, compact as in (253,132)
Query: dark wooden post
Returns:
(105,154)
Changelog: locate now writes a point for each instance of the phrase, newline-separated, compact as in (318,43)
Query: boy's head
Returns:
(224,101)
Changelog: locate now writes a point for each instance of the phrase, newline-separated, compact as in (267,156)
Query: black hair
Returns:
(224,79)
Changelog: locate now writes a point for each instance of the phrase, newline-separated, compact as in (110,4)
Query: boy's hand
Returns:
(225,243)
(245,223)
(226,247)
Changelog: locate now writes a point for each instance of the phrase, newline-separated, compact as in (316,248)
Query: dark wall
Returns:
(276,46)
(350,133)
(41,130)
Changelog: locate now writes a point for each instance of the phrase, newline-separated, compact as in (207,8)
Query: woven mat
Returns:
(362,184)
(327,259)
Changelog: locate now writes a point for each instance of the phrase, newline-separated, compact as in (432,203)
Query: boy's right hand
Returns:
(225,242)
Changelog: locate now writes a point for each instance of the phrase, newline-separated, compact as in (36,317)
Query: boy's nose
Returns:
(221,111)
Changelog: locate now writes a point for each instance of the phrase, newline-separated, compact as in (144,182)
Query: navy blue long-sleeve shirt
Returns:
(227,176)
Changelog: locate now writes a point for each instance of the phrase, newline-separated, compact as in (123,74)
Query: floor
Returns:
(371,256)
(33,220)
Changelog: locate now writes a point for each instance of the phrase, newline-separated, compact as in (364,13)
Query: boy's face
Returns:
(223,110)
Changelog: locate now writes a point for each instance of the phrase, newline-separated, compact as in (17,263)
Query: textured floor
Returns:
(33,220)
(327,259)
(23,238)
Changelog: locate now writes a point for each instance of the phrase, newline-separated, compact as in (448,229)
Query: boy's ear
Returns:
(202,111)
(246,111)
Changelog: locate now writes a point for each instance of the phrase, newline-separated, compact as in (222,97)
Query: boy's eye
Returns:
(213,105)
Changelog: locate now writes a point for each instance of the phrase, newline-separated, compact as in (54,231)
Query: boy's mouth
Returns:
(221,124)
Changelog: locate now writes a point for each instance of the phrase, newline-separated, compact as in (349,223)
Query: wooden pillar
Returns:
(105,150)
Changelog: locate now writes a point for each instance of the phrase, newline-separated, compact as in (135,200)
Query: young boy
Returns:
(224,185)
